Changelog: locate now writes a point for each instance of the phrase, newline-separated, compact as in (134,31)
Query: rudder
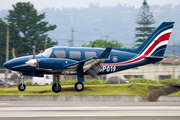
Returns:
(155,44)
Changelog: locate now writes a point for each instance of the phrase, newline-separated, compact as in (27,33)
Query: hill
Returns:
(117,22)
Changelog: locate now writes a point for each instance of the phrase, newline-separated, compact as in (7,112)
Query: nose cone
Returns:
(7,65)
(13,64)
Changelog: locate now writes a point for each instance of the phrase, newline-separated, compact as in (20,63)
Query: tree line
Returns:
(27,28)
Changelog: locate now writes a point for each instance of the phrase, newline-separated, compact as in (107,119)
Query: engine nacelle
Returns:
(50,63)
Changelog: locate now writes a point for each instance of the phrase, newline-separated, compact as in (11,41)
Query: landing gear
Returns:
(79,86)
(56,86)
(22,86)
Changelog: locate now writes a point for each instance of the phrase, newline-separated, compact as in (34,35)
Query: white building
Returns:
(161,70)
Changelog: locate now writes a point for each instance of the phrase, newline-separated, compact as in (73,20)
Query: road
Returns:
(68,110)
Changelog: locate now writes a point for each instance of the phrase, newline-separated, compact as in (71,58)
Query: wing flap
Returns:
(92,65)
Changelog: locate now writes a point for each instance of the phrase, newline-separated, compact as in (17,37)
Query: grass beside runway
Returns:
(140,89)
(175,94)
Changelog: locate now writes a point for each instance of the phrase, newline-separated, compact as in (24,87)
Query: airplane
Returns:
(91,61)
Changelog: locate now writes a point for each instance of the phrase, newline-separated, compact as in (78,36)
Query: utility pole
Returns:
(174,62)
(99,32)
(7,53)
(45,44)
(72,38)
(72,34)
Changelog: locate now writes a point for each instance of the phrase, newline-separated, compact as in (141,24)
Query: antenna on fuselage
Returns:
(93,44)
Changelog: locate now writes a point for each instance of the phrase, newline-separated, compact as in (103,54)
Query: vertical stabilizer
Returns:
(156,43)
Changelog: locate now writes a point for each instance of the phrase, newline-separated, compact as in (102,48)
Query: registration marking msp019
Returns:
(108,69)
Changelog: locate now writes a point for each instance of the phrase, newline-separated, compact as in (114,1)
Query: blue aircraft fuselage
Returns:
(93,61)
(50,64)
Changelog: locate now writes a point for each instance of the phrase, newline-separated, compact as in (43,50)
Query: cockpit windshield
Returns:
(47,52)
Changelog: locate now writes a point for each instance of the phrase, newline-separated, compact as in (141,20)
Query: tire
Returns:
(55,89)
(79,86)
(21,87)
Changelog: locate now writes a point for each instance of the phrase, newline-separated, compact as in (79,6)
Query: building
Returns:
(164,69)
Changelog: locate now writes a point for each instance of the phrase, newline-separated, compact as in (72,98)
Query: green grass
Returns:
(140,89)
(175,94)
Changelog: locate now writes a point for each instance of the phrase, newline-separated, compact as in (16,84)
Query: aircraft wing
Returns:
(92,65)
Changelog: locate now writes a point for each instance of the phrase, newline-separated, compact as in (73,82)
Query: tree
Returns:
(32,30)
(104,44)
(2,41)
(14,34)
(144,20)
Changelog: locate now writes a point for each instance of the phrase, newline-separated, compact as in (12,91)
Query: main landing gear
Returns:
(56,87)
(22,86)
(79,86)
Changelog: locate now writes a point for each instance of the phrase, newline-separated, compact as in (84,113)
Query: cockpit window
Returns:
(47,52)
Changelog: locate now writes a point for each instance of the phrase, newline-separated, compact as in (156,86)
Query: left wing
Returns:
(92,65)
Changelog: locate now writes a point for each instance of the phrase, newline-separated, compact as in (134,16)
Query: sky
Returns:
(41,4)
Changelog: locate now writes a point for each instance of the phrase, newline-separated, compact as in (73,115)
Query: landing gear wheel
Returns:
(79,86)
(56,88)
(21,87)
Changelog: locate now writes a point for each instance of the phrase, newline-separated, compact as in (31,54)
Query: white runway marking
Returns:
(89,111)
(103,108)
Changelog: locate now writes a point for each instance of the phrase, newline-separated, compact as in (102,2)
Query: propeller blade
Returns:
(13,53)
(34,51)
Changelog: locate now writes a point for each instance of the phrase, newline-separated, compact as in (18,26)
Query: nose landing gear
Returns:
(22,86)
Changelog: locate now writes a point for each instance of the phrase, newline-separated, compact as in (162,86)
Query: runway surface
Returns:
(68,110)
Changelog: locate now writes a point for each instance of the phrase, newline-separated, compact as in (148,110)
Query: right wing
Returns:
(92,65)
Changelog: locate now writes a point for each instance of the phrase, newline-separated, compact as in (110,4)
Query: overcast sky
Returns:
(41,4)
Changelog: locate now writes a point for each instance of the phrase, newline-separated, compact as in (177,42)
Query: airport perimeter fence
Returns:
(154,74)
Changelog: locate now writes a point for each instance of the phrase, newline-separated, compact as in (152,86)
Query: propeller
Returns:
(33,62)
(13,53)
(34,51)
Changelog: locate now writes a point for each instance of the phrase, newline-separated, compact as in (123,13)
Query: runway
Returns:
(66,110)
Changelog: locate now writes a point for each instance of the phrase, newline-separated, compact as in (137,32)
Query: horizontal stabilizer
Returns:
(153,57)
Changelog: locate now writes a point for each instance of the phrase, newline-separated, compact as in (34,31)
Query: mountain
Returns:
(117,23)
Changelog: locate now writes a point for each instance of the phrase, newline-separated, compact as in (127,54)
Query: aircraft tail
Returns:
(155,44)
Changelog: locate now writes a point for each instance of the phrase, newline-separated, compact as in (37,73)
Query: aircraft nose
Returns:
(7,64)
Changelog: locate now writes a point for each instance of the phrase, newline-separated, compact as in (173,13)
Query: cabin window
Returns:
(75,54)
(59,54)
(90,54)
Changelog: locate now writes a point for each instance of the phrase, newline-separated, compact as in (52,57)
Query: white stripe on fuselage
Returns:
(19,66)
(156,47)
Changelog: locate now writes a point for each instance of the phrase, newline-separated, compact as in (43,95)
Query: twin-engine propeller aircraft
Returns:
(91,61)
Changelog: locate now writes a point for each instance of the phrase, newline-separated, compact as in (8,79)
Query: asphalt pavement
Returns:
(74,110)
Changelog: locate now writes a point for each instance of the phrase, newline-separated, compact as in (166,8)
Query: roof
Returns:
(169,60)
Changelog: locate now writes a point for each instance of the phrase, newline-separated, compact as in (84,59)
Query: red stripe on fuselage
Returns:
(162,38)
